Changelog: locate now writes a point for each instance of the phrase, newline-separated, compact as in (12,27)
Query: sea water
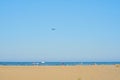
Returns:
(55,63)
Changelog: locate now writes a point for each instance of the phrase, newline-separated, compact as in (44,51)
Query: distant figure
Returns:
(63,63)
(53,29)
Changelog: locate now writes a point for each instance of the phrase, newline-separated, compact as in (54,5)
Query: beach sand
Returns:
(92,72)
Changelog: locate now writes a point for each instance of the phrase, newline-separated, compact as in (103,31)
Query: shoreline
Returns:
(70,65)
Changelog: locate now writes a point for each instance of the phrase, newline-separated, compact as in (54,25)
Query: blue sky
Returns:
(86,30)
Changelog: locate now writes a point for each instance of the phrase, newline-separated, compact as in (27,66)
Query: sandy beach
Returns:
(93,72)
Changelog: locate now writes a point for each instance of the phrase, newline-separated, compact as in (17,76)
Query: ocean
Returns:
(55,63)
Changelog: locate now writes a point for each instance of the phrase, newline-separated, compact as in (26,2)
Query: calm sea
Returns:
(55,63)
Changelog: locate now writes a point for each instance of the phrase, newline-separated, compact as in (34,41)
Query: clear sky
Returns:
(86,30)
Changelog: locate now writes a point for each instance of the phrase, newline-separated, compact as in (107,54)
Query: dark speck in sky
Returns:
(53,29)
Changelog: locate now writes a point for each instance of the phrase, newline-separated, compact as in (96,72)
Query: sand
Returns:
(93,72)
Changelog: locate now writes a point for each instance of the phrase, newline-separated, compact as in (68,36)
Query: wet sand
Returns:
(92,72)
